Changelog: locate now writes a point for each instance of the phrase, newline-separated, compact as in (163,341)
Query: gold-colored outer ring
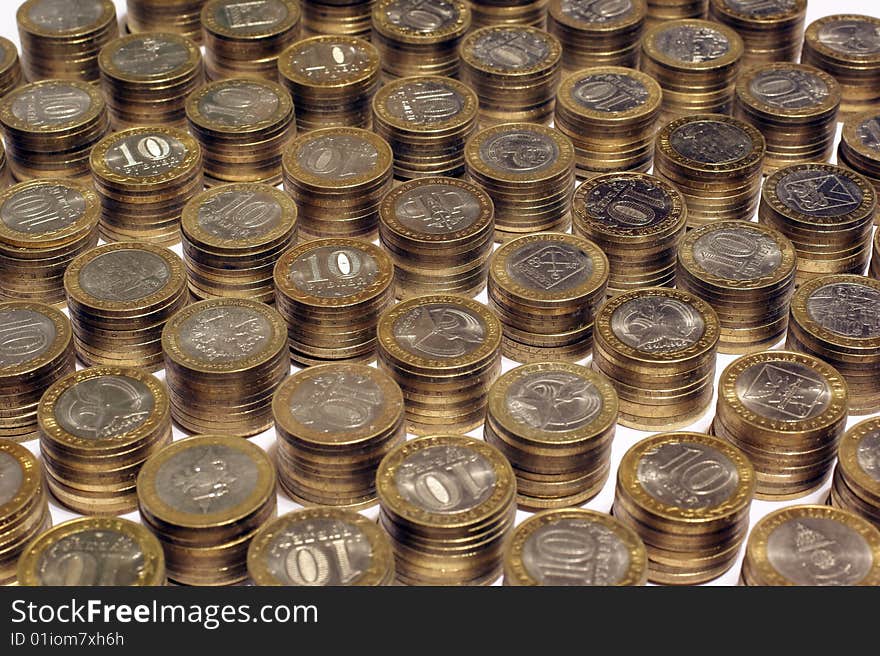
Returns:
(191,161)
(644,111)
(83,224)
(730,58)
(191,65)
(754,157)
(805,322)
(32,479)
(61,343)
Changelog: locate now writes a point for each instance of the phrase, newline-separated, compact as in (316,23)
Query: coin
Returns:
(597,32)
(177,16)
(856,483)
(859,147)
(11,75)
(771,30)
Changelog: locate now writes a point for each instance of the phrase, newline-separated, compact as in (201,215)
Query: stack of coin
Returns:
(848,47)
(597,33)
(94,551)
(50,128)
(528,171)
(337,177)
(859,147)
(812,546)
(448,503)
(44,224)
(335,423)
(746,272)
(332,80)
(687,495)
(795,108)
(856,482)
(514,70)
(178,16)
(771,30)
(144,176)
(660,11)
(60,39)
(787,412)
(331,292)
(445,352)
(837,319)
(546,289)
(24,511)
(97,428)
(610,115)
(351,550)
(228,353)
(36,349)
(554,422)
(826,211)
(205,498)
(638,221)
(427,121)
(658,347)
(439,233)
(716,162)
(146,78)
(577,547)
(696,63)
(246,38)
(10,67)
(232,235)
(120,296)
(419,37)
(509,12)
(351,18)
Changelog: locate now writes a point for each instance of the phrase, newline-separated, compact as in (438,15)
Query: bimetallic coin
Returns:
(438,208)
(329,61)
(59,16)
(101,407)
(50,106)
(241,213)
(597,11)
(510,49)
(332,271)
(737,253)
(32,335)
(42,208)
(658,324)
(691,43)
(847,309)
(145,56)
(238,103)
(818,194)
(611,92)
(440,330)
(789,89)
(711,142)
(428,17)
(260,18)
(11,477)
(850,35)
(425,102)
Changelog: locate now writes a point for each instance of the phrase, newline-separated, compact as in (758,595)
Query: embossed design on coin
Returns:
(224,334)
(511,49)
(789,89)
(247,16)
(737,253)
(124,275)
(868,454)
(11,477)
(150,55)
(688,475)
(629,203)
(437,209)
(692,43)
(868,133)
(93,558)
(817,193)
(45,106)
(42,209)
(240,105)
(142,155)
(711,142)
(783,391)
(519,151)
(445,479)
(421,15)
(333,272)
(240,215)
(439,330)
(817,551)
(553,401)
(424,102)
(338,157)
(553,266)
(63,15)
(848,309)
(328,61)
(656,324)
(337,401)
(851,36)
(758,8)
(24,335)
(596,11)
(609,92)
(103,407)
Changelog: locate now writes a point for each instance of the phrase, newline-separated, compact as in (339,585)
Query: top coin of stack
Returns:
(348,18)
(10,67)
(597,32)
(661,11)
(509,12)
(859,148)
(61,39)
(179,16)
(856,483)
(771,30)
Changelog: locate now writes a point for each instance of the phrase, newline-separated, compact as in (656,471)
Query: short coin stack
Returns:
(610,115)
(448,503)
(338,177)
(746,272)
(44,224)
(692,530)
(10,67)
(232,236)
(227,353)
(444,351)
(787,412)
(716,162)
(509,12)
(426,120)
(335,423)
(771,31)
(638,221)
(661,11)
(597,34)
(554,422)
(178,16)
(337,17)
(856,482)
(546,289)
(97,428)
(205,498)
(439,233)
(658,347)
(331,292)
(119,296)
(859,147)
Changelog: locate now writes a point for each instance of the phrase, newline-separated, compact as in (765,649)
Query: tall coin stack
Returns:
(335,423)
(787,412)
(120,296)
(11,75)
(415,37)
(661,11)
(448,503)
(688,496)
(528,171)
(205,498)
(771,31)
(439,233)
(657,346)
(97,428)
(44,224)
(826,211)
(859,147)
(331,293)
(597,34)
(36,349)
(427,121)
(610,115)
(514,70)
(232,235)
(60,40)
(837,319)
(716,162)
(332,80)
(856,482)
(245,39)
(746,272)
(509,12)
(50,128)
(350,18)
(337,177)
(795,108)
(546,289)
(554,422)
(178,16)
(146,78)
(638,221)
